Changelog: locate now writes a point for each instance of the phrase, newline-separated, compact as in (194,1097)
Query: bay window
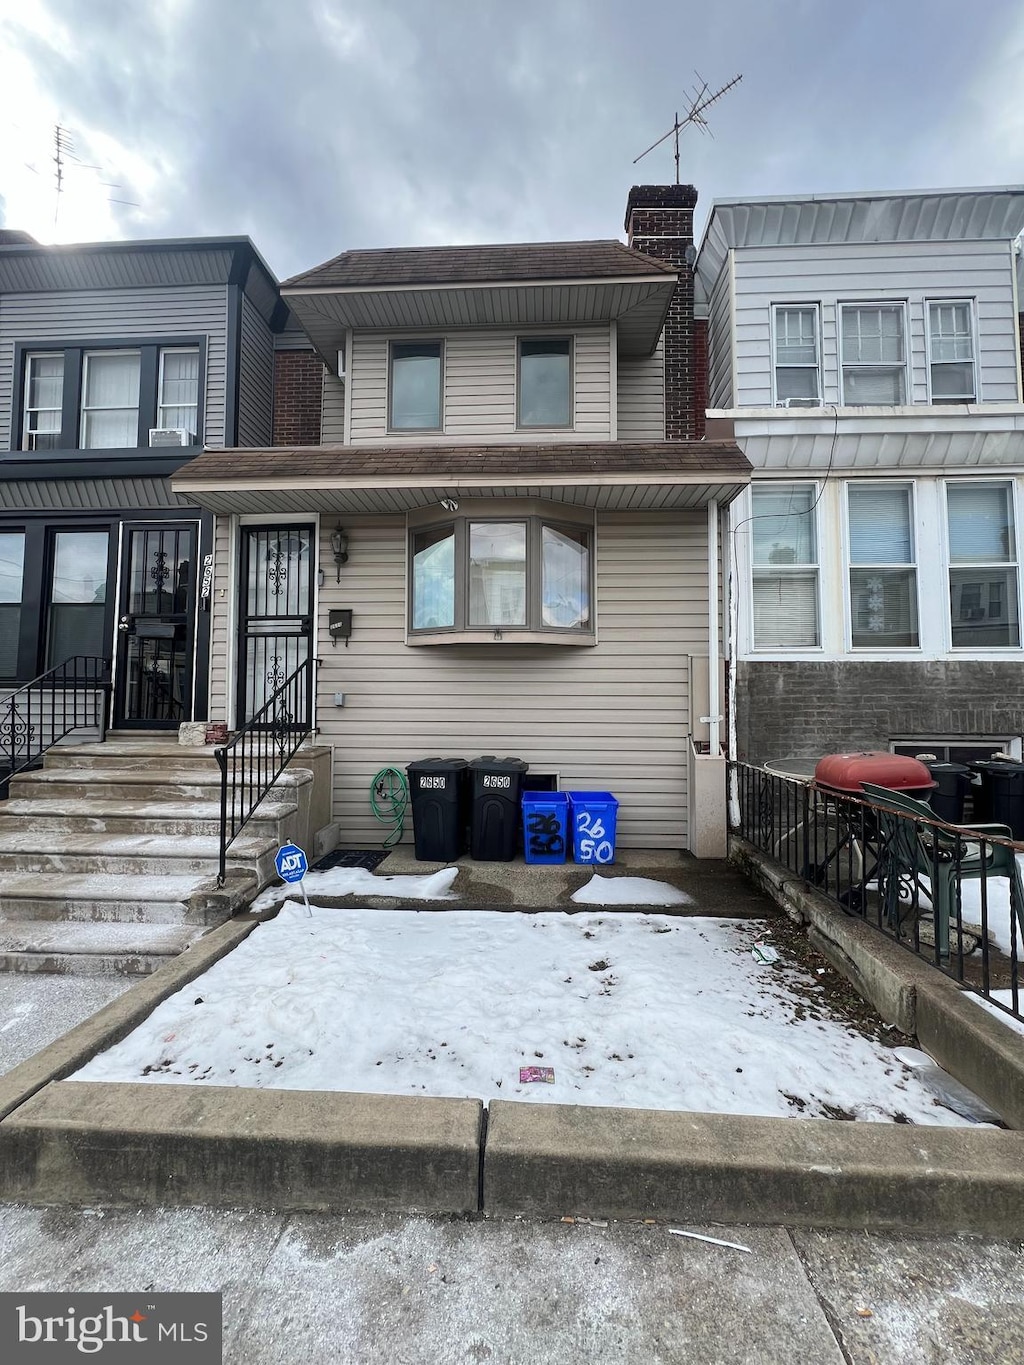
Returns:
(785,562)
(982,565)
(882,567)
(874,357)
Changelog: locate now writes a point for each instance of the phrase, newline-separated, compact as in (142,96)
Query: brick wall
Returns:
(700,374)
(796,709)
(298,388)
(659,221)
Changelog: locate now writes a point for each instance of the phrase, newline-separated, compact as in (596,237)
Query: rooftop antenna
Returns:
(698,102)
(65,151)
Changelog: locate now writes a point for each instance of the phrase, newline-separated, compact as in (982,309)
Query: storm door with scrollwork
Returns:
(155,626)
(276,625)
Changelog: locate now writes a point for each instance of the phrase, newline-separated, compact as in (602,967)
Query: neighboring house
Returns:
(491,462)
(864,351)
(118,363)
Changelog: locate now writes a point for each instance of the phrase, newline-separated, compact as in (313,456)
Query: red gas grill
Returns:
(846,773)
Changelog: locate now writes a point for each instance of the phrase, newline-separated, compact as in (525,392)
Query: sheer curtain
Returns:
(110,417)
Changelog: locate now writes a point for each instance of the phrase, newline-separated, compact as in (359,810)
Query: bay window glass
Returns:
(873,355)
(565,577)
(44,398)
(12,571)
(433,579)
(497,573)
(785,556)
(951,352)
(415,386)
(883,570)
(178,402)
(110,400)
(796,354)
(78,594)
(545,382)
(983,566)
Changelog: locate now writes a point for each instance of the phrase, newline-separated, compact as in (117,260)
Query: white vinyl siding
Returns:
(480,388)
(73,316)
(918,272)
(641,397)
(332,410)
(221,634)
(611,717)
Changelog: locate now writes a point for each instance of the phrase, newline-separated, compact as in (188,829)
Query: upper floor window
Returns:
(951,351)
(110,400)
(874,355)
(544,388)
(797,366)
(982,565)
(44,401)
(415,389)
(785,555)
(883,567)
(178,400)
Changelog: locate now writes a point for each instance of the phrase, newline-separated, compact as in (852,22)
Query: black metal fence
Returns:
(72,696)
(952,894)
(254,758)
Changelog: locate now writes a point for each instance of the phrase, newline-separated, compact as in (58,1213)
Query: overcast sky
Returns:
(319,125)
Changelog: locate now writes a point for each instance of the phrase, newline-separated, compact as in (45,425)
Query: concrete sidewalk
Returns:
(405,1291)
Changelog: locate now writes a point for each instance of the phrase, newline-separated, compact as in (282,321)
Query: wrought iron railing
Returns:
(72,696)
(256,756)
(951,894)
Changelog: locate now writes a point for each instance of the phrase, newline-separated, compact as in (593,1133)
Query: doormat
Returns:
(370,858)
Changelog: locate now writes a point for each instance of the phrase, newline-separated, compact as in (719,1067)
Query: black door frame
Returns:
(247,531)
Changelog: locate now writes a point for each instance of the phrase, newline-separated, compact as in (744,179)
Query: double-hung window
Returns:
(110,400)
(44,401)
(797,364)
(785,555)
(982,565)
(874,354)
(544,388)
(883,567)
(951,369)
(415,388)
(178,400)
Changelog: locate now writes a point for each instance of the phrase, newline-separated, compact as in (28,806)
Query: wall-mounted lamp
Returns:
(339,546)
(450,504)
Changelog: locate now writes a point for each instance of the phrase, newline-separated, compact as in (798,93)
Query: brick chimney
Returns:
(659,221)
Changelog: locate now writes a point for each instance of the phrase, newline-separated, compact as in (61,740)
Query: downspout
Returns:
(733,797)
(714,716)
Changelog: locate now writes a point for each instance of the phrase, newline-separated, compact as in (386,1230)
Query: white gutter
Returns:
(714,716)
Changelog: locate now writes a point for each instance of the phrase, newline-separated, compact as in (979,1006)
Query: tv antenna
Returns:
(64,152)
(699,101)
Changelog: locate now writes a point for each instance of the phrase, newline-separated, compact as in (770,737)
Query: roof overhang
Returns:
(638,304)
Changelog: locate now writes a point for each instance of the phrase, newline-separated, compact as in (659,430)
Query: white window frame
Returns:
(26,432)
(160,404)
(767,571)
(868,651)
(901,305)
(778,308)
(972,314)
(966,651)
(84,408)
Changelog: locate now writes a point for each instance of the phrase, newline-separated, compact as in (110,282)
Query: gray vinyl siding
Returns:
(612,717)
(255,379)
(118,313)
(480,388)
(912,271)
(641,397)
(720,339)
(222,604)
(332,411)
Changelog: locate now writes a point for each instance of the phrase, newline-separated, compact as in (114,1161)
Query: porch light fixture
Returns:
(450,504)
(339,546)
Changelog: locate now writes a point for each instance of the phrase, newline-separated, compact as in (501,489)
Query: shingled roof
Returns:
(450,265)
(16,237)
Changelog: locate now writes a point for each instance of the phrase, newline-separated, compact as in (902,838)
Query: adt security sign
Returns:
(292,865)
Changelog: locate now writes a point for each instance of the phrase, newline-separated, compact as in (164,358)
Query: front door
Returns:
(156,626)
(276,611)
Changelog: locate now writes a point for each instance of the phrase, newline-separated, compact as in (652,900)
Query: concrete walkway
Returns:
(405,1291)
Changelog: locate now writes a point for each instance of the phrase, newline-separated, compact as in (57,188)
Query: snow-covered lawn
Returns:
(642,1010)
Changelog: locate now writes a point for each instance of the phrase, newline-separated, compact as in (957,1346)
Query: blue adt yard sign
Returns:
(292,865)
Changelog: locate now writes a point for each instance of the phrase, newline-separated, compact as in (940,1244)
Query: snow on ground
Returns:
(356,881)
(629,891)
(648,1011)
(998,909)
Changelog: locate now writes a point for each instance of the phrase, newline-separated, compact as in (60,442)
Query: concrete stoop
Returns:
(108,855)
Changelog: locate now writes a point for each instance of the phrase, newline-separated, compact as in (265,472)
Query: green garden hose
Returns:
(389,797)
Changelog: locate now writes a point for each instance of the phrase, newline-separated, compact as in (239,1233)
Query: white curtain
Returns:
(179,390)
(111,403)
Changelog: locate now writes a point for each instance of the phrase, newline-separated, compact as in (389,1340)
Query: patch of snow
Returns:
(356,881)
(648,1011)
(629,891)
(1004,998)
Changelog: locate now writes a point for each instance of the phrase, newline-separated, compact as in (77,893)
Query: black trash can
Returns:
(496,786)
(982,790)
(437,793)
(1006,782)
(947,799)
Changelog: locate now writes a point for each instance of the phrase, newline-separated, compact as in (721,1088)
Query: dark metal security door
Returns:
(156,626)
(276,625)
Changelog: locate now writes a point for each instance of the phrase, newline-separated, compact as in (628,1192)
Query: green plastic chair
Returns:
(940,853)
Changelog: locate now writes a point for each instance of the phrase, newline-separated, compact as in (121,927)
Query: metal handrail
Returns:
(37,716)
(256,756)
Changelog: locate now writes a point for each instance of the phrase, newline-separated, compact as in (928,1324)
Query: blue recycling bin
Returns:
(545,826)
(593,816)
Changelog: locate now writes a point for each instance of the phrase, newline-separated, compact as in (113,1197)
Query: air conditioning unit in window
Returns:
(170,436)
(799,403)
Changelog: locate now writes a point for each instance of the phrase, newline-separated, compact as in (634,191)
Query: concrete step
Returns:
(91,949)
(145,784)
(100,896)
(41,850)
(142,753)
(100,814)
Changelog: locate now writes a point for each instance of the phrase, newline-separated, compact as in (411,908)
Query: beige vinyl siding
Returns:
(332,411)
(641,397)
(222,603)
(612,717)
(124,314)
(480,388)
